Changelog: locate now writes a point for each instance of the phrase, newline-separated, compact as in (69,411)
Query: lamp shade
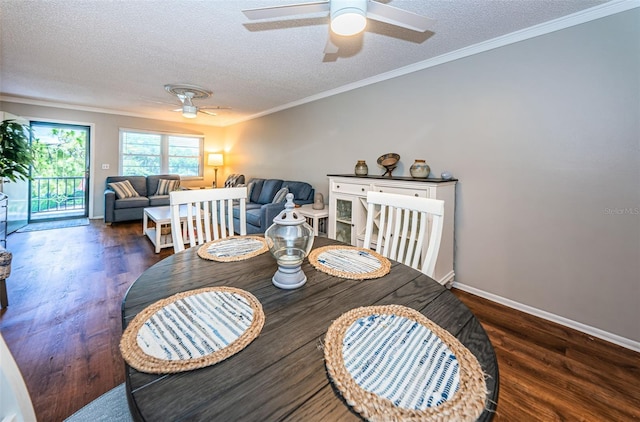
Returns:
(215,159)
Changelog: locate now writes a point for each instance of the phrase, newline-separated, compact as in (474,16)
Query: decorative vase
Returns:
(420,169)
(318,202)
(361,168)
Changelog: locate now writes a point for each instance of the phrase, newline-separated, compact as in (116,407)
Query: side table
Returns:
(160,235)
(318,219)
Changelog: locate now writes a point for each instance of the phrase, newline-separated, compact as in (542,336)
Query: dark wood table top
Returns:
(281,375)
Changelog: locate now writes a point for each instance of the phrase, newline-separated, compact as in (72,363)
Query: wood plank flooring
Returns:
(63,327)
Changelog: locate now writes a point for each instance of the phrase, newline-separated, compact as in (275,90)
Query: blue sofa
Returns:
(132,208)
(261,209)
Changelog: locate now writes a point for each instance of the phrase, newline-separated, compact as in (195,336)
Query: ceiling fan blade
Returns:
(389,14)
(207,112)
(288,10)
(214,108)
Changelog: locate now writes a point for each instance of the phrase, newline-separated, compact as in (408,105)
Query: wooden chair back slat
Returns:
(209,215)
(405,226)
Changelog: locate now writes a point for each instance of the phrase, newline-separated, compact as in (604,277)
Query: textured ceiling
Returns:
(116,56)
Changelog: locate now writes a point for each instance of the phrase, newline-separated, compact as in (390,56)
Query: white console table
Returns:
(348,210)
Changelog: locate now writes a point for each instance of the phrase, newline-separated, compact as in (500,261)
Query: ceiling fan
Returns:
(186,94)
(348,17)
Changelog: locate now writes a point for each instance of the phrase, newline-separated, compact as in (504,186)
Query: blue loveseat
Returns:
(261,209)
(132,208)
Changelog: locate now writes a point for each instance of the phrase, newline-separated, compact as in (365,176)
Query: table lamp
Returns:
(290,239)
(215,160)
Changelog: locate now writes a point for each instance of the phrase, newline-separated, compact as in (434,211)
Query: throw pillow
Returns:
(234,180)
(249,190)
(123,189)
(281,195)
(167,185)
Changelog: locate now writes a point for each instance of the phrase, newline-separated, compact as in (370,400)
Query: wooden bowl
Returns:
(388,162)
(389,159)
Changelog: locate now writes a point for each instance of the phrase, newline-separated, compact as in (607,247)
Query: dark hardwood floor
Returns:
(63,327)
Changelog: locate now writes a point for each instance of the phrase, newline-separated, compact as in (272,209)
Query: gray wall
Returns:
(544,136)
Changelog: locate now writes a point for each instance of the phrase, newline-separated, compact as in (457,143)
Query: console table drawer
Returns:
(421,193)
(350,188)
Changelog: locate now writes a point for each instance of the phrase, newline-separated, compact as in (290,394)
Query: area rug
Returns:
(58,224)
(112,406)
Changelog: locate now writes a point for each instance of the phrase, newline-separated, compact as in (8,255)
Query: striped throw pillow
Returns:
(123,189)
(280,196)
(167,185)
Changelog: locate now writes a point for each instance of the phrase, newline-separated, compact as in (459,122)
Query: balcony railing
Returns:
(57,196)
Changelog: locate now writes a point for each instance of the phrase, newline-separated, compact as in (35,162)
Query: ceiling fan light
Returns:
(348,21)
(189,111)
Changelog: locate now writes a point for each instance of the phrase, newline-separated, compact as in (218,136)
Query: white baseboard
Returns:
(592,331)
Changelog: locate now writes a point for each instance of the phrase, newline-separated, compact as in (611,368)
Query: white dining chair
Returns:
(203,215)
(15,402)
(398,225)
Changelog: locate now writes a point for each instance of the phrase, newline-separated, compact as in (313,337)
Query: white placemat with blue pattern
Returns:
(191,330)
(349,262)
(392,363)
(233,248)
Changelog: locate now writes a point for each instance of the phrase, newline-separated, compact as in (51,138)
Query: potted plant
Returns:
(16,153)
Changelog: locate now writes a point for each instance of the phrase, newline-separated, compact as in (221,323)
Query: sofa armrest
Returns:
(268,213)
(109,205)
(309,200)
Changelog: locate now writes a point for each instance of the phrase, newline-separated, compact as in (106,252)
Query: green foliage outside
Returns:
(142,154)
(59,169)
(64,157)
(16,154)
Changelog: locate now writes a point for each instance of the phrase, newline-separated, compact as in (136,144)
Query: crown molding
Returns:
(44,103)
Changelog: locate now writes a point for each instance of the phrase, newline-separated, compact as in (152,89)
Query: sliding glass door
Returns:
(60,176)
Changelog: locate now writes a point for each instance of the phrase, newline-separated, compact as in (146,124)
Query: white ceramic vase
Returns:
(420,169)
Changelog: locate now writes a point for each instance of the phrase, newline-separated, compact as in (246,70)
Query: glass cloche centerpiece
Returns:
(290,239)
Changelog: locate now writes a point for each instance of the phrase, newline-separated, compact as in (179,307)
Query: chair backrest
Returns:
(15,402)
(399,225)
(205,212)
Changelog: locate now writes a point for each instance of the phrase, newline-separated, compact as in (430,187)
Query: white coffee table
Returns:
(313,218)
(161,216)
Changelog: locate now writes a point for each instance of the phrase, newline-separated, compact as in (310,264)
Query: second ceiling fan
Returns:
(186,94)
(348,17)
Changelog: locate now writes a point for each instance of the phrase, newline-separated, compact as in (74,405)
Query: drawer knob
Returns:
(362,189)
(415,194)
(337,186)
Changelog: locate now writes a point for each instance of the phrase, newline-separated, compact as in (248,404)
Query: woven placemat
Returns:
(192,330)
(392,363)
(234,248)
(349,262)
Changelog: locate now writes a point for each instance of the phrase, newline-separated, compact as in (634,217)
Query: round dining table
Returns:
(281,375)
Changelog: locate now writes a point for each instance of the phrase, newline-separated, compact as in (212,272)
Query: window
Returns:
(146,153)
